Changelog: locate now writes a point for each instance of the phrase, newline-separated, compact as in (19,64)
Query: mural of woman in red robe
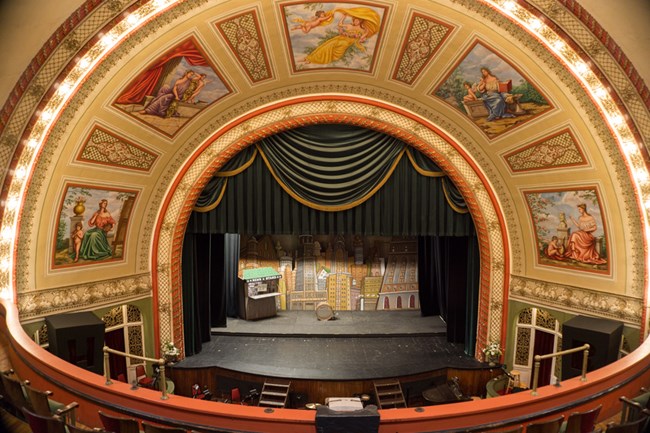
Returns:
(581,245)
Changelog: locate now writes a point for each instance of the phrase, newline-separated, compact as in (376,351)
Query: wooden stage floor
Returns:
(356,346)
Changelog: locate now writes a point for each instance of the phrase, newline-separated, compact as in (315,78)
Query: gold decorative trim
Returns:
(36,305)
(574,299)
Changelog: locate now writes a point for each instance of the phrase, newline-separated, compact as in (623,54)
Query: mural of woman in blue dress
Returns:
(494,101)
(94,245)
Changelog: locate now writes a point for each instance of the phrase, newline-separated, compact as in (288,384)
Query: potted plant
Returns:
(170,352)
(492,353)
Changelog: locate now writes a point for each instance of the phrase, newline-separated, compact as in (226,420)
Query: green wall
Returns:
(632,335)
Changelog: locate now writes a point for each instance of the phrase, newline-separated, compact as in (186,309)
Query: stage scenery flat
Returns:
(175,88)
(333,35)
(347,272)
(92,225)
(491,92)
(569,229)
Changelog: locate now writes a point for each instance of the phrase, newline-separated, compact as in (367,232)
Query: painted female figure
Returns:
(365,23)
(94,245)
(494,100)
(581,245)
(166,101)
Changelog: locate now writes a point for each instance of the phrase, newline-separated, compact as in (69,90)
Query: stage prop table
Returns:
(258,290)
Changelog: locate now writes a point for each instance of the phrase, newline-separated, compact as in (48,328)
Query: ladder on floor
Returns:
(389,394)
(275,393)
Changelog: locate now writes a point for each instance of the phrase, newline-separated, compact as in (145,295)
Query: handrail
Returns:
(162,383)
(539,358)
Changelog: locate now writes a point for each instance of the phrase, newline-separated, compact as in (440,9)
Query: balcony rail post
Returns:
(585,357)
(163,380)
(107,367)
(536,365)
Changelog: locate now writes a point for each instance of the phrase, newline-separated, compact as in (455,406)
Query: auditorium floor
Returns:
(357,346)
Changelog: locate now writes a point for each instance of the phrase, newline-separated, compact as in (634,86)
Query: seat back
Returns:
(39,400)
(515,429)
(76,429)
(235,395)
(43,424)
(152,428)
(549,426)
(582,422)
(15,393)
(118,424)
(636,426)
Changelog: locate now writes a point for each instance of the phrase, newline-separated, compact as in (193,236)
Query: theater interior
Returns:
(298,216)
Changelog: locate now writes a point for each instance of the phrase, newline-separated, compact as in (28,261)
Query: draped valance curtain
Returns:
(331,179)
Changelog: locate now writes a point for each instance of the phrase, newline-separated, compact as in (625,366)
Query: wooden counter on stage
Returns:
(258,290)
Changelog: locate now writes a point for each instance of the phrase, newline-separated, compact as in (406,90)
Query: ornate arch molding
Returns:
(408,127)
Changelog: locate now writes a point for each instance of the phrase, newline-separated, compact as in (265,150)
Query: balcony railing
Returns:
(538,362)
(162,381)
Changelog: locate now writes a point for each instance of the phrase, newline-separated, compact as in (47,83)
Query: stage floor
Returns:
(346,324)
(357,346)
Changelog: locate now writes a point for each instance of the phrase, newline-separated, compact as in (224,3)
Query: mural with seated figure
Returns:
(491,92)
(570,229)
(92,225)
(173,89)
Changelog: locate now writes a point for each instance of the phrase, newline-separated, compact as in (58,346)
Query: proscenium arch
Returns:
(412,129)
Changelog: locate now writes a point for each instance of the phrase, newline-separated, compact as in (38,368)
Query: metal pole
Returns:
(107,367)
(537,364)
(585,357)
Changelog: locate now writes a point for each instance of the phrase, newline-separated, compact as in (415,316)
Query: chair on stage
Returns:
(152,428)
(141,376)
(581,422)
(235,396)
(549,426)
(118,424)
(43,424)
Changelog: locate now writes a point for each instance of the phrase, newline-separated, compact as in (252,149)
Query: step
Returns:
(280,394)
(393,401)
(272,403)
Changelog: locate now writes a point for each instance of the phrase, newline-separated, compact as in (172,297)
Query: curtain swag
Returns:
(328,167)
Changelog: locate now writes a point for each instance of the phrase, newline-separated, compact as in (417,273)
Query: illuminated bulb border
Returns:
(112,38)
(45,122)
(613,116)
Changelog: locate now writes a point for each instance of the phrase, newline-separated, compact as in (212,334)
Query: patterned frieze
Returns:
(576,299)
(35,305)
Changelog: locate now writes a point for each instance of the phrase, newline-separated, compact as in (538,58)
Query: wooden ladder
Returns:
(389,394)
(275,393)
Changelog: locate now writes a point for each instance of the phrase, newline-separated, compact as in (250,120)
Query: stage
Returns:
(357,345)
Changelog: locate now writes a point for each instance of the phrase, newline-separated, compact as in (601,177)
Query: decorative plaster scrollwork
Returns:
(61,299)
(576,299)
